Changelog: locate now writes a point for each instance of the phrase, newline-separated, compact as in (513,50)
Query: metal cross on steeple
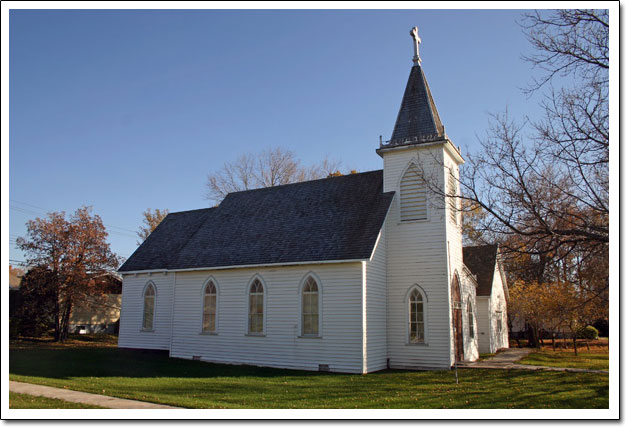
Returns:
(416,46)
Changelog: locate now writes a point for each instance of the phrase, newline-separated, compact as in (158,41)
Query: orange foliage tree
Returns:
(75,252)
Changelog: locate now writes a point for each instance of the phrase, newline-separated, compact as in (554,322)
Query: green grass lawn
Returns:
(567,359)
(26,401)
(152,376)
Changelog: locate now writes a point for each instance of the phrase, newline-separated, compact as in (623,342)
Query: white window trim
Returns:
(264,332)
(319,305)
(407,315)
(412,162)
(217,305)
(143,304)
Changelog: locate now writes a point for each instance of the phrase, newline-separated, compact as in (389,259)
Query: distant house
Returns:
(15,277)
(491,296)
(100,314)
(355,273)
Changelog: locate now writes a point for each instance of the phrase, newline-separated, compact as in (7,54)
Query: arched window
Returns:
(470,318)
(255,308)
(209,307)
(452,192)
(149,297)
(310,308)
(412,195)
(416,317)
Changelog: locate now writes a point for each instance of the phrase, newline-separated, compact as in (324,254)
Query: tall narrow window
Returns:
(310,308)
(412,195)
(255,308)
(416,317)
(470,318)
(149,296)
(452,192)
(209,308)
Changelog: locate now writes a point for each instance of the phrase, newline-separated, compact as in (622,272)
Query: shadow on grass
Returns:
(151,375)
(68,362)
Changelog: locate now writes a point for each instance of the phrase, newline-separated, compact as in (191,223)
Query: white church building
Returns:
(354,273)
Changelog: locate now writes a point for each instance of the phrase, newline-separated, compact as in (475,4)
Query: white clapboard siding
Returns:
(498,304)
(417,254)
(376,308)
(131,334)
(454,241)
(490,340)
(485,333)
(470,344)
(340,345)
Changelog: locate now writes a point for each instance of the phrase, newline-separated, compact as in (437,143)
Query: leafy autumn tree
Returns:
(269,168)
(150,220)
(74,253)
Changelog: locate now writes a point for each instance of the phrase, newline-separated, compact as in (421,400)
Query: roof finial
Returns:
(416,46)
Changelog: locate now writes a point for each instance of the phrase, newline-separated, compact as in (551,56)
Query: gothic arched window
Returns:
(149,298)
(310,308)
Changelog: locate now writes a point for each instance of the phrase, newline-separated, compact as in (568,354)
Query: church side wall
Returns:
(470,344)
(498,307)
(484,325)
(416,255)
(454,242)
(376,308)
(131,334)
(340,345)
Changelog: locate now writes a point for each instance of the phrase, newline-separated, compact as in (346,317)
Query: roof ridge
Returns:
(275,187)
(192,210)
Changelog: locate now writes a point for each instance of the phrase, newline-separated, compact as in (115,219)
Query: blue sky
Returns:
(127,110)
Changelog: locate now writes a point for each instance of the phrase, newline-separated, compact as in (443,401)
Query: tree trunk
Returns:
(65,321)
(553,343)
(57,319)
(575,346)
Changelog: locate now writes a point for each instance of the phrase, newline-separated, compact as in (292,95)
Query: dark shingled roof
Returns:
(335,218)
(481,261)
(418,119)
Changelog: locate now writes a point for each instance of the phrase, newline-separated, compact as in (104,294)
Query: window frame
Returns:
(210,280)
(248,294)
(148,285)
(470,318)
(407,313)
(303,282)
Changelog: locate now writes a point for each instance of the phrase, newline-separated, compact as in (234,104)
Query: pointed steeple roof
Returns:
(418,119)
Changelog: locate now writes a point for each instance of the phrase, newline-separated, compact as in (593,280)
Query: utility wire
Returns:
(24,210)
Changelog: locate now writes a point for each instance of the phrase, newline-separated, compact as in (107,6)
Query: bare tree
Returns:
(269,168)
(150,220)
(543,183)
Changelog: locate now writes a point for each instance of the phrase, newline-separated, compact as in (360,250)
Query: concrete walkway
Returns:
(81,397)
(506,360)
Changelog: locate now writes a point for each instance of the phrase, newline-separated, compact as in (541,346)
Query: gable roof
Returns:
(330,219)
(481,261)
(418,119)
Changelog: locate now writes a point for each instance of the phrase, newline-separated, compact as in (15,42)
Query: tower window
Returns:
(412,195)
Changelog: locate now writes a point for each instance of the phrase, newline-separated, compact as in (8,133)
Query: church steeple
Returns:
(418,120)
